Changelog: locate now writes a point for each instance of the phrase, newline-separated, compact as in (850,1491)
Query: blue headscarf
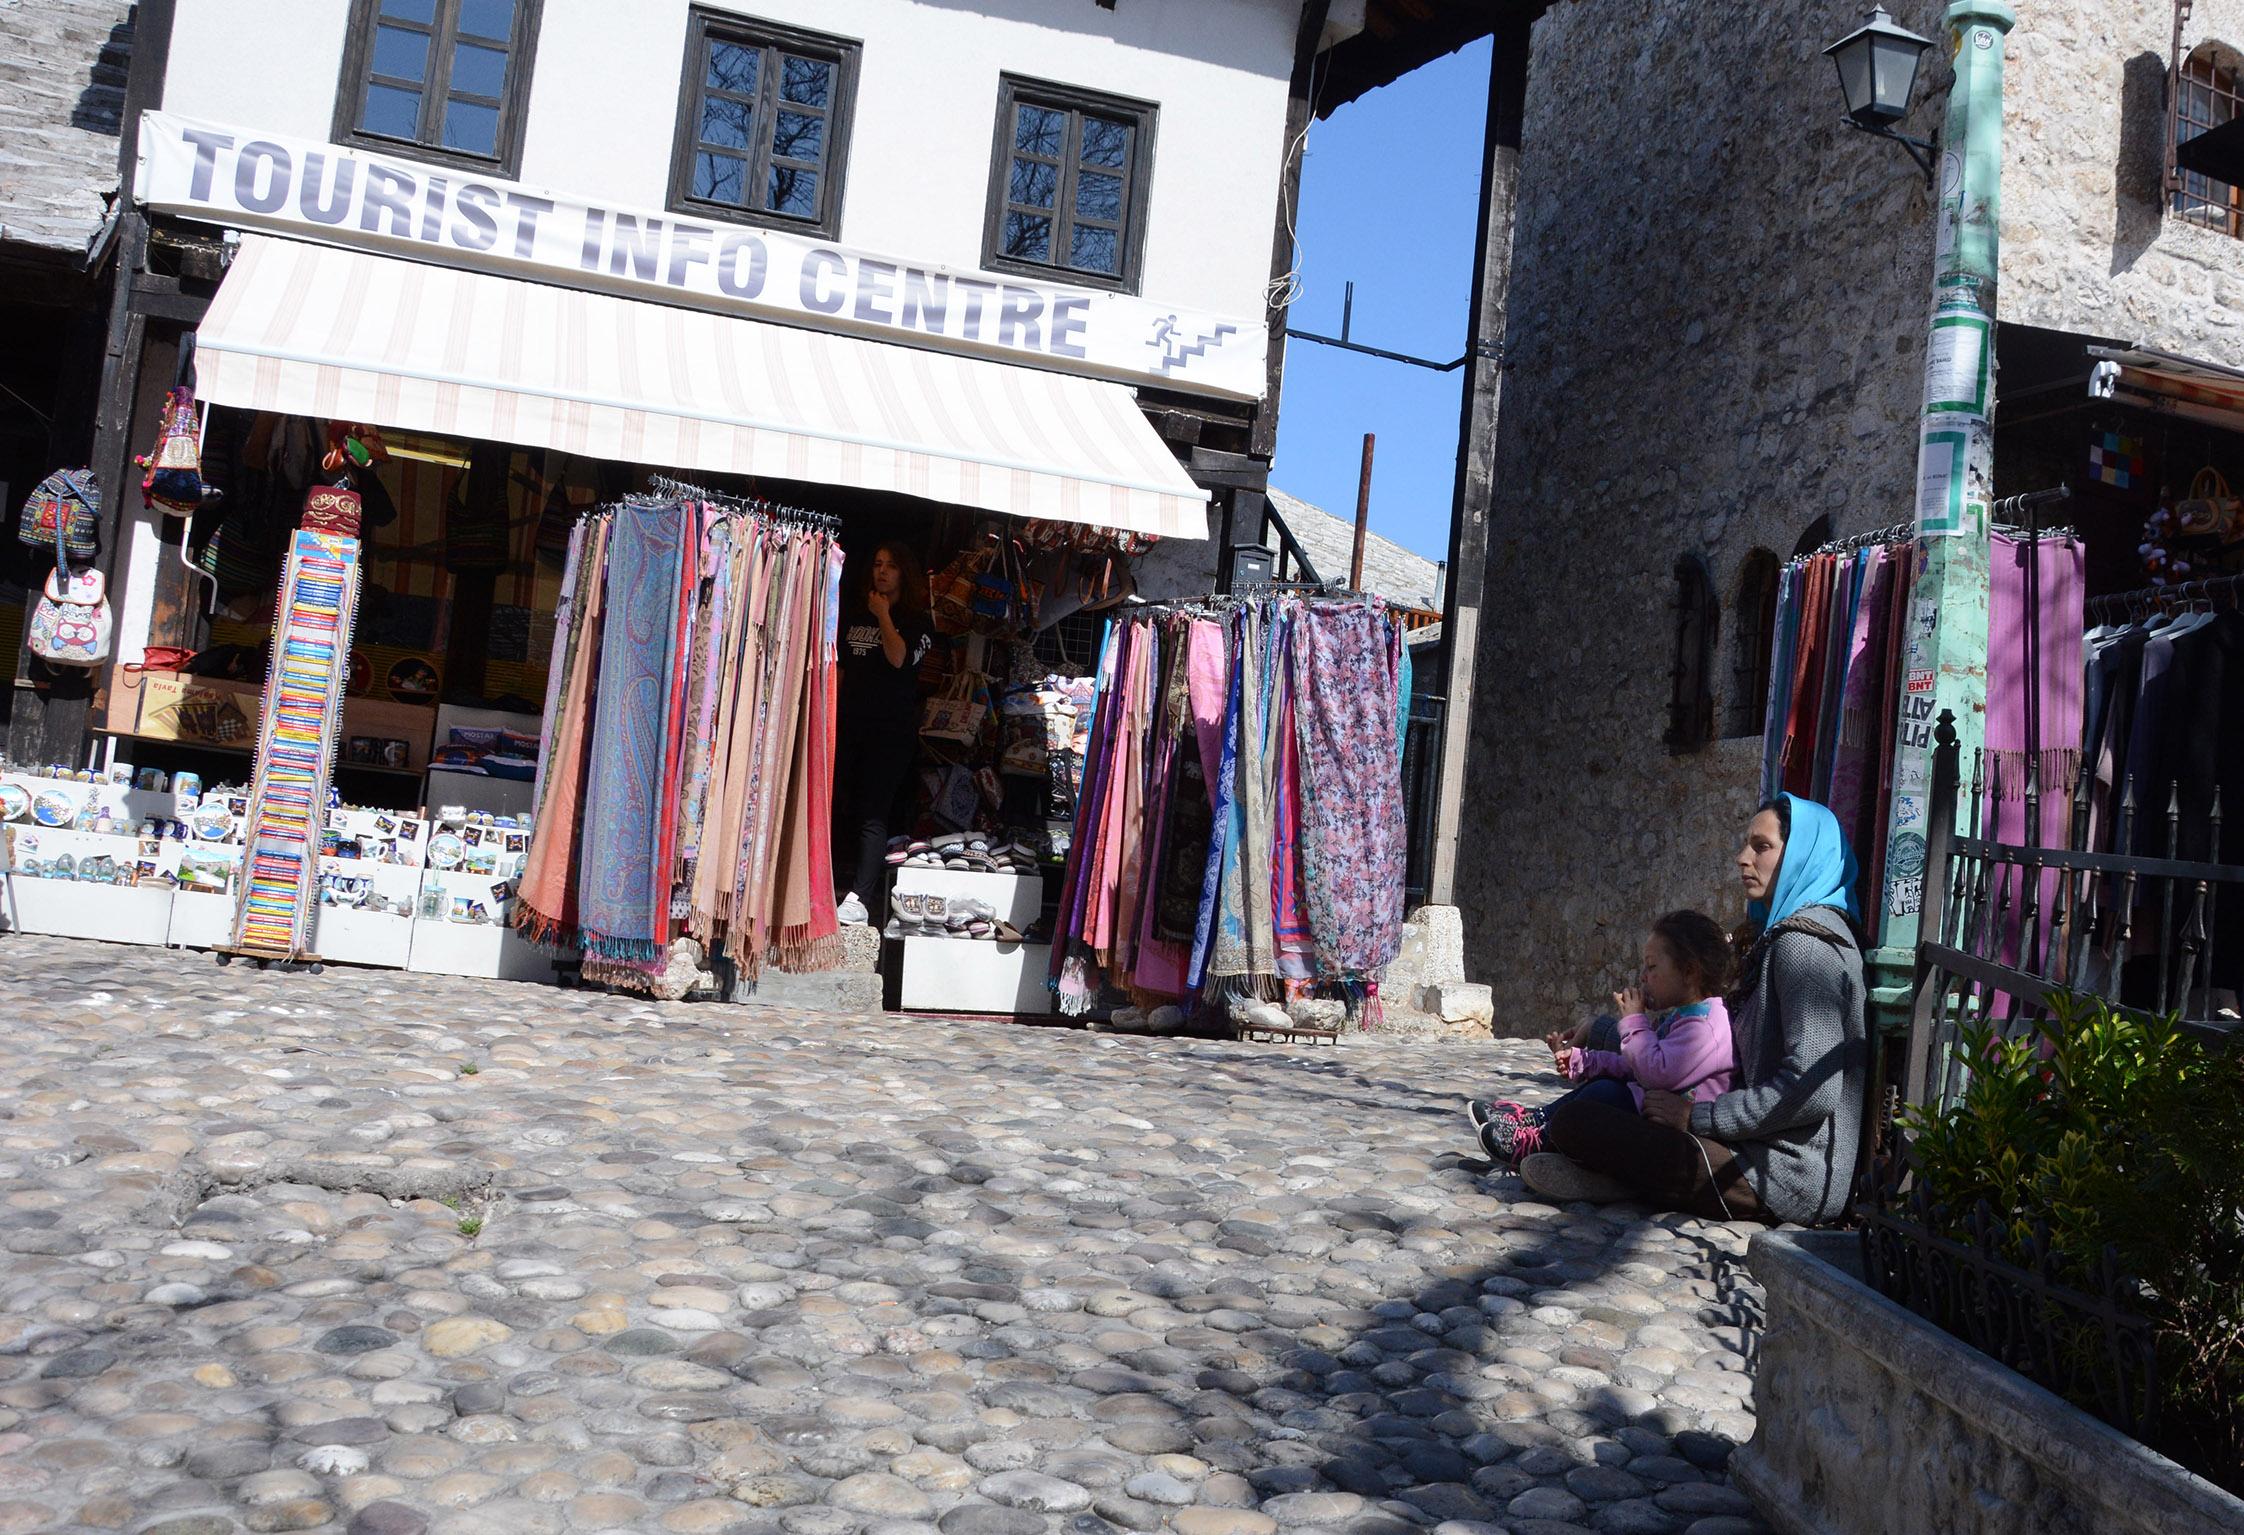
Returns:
(1818,867)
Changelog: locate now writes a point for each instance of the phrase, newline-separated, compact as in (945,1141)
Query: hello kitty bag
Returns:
(71,624)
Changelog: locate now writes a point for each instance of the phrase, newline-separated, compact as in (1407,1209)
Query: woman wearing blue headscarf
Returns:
(1780,1146)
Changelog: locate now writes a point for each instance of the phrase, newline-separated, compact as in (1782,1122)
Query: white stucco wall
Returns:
(604,93)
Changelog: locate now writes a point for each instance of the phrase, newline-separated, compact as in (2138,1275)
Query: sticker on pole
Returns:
(1956,362)
(1940,483)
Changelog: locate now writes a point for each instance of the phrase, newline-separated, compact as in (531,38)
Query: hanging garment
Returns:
(623,887)
(2035,616)
(1353,841)
(546,898)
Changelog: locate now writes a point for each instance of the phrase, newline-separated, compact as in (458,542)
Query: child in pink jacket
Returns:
(1675,1036)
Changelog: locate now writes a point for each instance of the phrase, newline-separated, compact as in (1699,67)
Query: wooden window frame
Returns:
(1698,618)
(1013,92)
(2223,86)
(1760,583)
(843,53)
(427,144)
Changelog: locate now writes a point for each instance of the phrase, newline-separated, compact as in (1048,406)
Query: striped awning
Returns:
(2168,383)
(313,330)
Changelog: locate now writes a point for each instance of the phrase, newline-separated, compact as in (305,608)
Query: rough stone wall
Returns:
(62,91)
(1715,325)
(2088,245)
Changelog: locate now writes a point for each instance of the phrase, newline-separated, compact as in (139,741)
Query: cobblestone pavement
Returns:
(384,1253)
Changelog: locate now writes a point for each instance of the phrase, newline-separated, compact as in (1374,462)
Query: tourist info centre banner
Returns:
(344,196)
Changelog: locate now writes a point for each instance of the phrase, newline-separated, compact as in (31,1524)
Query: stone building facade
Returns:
(1714,339)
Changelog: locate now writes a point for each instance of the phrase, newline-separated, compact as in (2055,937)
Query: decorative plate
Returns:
(445,850)
(212,823)
(15,802)
(52,807)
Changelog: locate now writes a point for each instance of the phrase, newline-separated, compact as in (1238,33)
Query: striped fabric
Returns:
(345,334)
(296,742)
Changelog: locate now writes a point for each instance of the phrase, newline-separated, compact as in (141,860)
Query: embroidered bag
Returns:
(71,625)
(69,502)
(174,478)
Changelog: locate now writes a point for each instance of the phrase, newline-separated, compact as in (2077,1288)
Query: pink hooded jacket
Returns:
(1685,1050)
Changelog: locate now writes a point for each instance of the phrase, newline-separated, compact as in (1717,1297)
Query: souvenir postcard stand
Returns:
(53,824)
(296,745)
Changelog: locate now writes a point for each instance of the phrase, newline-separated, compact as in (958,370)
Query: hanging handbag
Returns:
(331,509)
(64,505)
(2211,508)
(955,714)
(174,477)
(951,592)
(1000,591)
(71,624)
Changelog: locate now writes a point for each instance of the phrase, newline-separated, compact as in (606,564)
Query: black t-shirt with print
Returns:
(875,696)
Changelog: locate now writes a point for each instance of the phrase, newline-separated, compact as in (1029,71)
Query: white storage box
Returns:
(65,908)
(1017,898)
(444,947)
(201,920)
(356,936)
(975,975)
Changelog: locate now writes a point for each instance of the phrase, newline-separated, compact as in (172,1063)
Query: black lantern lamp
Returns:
(1877,74)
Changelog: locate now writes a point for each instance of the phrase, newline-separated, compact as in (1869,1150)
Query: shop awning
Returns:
(2166,382)
(339,334)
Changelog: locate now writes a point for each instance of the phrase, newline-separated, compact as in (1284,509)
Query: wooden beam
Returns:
(1299,100)
(1211,470)
(1476,436)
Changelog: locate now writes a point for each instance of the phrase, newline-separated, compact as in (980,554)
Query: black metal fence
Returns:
(1422,749)
(2004,925)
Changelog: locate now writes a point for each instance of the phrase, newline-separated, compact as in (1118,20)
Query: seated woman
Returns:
(1780,1144)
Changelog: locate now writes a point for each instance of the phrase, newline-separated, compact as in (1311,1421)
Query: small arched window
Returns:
(1690,709)
(2206,97)
(1752,645)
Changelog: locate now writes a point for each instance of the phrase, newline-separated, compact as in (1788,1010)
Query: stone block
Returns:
(1433,952)
(1461,1005)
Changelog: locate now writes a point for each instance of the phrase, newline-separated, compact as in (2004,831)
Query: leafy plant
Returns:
(471,1226)
(2107,1132)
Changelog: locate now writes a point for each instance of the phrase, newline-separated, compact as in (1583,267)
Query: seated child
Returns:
(1674,1036)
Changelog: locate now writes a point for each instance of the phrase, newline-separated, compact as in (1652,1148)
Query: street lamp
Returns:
(1877,72)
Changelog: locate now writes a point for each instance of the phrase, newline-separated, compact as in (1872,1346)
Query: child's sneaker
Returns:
(1508,1137)
(1482,1110)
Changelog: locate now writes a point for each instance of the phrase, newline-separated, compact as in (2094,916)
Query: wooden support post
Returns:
(1263,442)
(1476,438)
(1363,517)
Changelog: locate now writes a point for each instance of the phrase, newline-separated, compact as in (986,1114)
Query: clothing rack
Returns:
(1220,603)
(2149,599)
(1906,532)
(752,506)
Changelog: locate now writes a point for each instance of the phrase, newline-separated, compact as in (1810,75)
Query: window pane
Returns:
(471,129)
(1040,131)
(393,113)
(733,67)
(1092,250)
(1098,196)
(719,178)
(725,121)
(1105,142)
(1028,237)
(478,71)
(798,136)
(401,54)
(808,81)
(487,18)
(410,10)
(1033,183)
(794,193)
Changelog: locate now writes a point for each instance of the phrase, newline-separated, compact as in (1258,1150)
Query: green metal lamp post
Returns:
(1945,659)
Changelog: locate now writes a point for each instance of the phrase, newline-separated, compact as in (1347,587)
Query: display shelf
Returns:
(353,936)
(1017,898)
(974,975)
(490,949)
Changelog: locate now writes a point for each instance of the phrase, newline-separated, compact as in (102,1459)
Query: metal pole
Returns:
(1363,518)
(1945,667)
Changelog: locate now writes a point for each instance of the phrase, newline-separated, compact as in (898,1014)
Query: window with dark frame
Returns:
(2207,95)
(1690,710)
(1068,183)
(445,79)
(763,123)
(1755,642)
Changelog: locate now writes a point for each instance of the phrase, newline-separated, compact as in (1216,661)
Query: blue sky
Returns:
(1389,193)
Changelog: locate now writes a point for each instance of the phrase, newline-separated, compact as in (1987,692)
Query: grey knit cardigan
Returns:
(1795,1119)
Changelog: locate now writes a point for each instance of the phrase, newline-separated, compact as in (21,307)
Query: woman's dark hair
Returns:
(911,577)
(1699,946)
(1781,808)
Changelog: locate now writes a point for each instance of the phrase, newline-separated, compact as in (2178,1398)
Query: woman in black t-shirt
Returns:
(885,636)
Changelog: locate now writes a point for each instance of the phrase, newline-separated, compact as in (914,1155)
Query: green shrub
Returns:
(2115,1132)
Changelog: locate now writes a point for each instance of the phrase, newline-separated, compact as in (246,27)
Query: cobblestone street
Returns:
(383,1253)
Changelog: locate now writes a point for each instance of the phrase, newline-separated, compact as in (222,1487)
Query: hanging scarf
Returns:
(546,897)
(808,934)
(1856,746)
(623,888)
(703,686)
(1219,922)
(1353,837)
(1072,984)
